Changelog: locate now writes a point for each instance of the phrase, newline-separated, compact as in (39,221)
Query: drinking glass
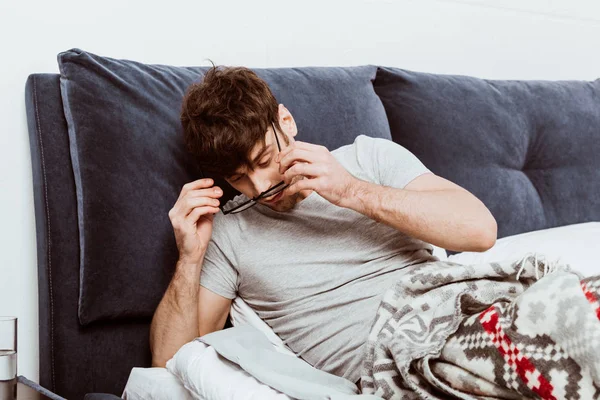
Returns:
(8,358)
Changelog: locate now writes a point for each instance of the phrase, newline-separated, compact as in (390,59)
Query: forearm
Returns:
(426,215)
(175,321)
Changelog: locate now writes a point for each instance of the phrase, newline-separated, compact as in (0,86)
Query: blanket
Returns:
(510,330)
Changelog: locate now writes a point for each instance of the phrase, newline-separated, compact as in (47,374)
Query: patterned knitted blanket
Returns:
(511,330)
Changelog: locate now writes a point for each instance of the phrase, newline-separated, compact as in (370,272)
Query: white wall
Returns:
(536,39)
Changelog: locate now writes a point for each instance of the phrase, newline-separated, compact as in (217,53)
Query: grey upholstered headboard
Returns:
(83,351)
(505,152)
(74,360)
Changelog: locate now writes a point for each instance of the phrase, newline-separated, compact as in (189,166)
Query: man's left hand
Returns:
(322,172)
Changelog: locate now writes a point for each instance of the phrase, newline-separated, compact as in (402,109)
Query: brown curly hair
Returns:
(225,115)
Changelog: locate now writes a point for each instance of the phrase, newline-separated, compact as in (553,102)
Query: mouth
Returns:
(276,198)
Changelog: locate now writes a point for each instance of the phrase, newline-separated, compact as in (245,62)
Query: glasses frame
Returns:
(281,186)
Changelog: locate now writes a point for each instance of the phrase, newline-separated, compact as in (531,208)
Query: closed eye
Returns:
(263,165)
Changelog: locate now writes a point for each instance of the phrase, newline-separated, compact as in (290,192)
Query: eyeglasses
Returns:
(268,193)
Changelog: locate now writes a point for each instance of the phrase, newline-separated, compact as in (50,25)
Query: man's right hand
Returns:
(192,218)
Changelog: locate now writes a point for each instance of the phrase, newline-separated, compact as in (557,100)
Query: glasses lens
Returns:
(269,193)
(245,207)
(274,190)
(235,210)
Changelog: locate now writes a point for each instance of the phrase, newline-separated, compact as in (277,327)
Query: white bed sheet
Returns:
(576,245)
(154,384)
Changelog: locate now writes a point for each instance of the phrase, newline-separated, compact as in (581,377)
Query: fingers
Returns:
(188,204)
(306,146)
(302,146)
(304,169)
(297,155)
(192,218)
(300,185)
(182,218)
(197,184)
(213,192)
(197,195)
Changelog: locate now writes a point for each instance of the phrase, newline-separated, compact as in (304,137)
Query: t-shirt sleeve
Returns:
(387,163)
(218,273)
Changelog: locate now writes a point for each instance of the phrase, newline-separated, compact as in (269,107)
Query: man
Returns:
(312,260)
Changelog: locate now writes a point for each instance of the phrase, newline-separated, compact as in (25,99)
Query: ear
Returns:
(286,121)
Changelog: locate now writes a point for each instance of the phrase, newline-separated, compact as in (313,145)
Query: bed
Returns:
(528,150)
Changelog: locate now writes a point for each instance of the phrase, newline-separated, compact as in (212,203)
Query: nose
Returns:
(260,182)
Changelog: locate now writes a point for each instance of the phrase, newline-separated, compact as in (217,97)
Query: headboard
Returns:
(74,360)
(96,305)
(522,173)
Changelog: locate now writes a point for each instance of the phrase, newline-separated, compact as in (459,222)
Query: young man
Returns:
(312,260)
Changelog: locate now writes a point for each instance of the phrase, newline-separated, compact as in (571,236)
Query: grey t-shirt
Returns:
(316,274)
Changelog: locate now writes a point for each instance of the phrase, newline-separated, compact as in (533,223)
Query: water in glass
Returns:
(8,374)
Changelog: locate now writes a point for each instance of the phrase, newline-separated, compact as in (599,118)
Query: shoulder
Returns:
(359,158)
(364,143)
(366,150)
(369,143)
(361,144)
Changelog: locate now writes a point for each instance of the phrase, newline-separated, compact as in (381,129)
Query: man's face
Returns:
(266,174)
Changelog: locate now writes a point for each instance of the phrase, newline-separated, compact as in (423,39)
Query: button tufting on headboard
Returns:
(528,149)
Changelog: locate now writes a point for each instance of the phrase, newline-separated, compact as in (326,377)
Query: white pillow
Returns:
(577,245)
(208,376)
